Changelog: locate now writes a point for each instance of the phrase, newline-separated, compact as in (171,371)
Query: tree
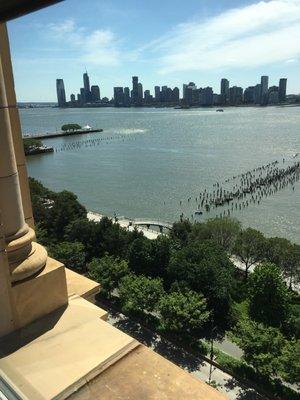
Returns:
(183,312)
(180,231)
(140,294)
(223,231)
(249,247)
(262,346)
(31,143)
(268,295)
(70,127)
(71,254)
(64,209)
(108,271)
(290,362)
(205,268)
(140,256)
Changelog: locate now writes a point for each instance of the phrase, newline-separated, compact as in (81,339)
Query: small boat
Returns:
(219,110)
(198,212)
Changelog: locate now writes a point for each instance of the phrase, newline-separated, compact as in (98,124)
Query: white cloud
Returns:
(98,47)
(259,34)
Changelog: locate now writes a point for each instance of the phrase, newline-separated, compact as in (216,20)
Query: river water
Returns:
(149,160)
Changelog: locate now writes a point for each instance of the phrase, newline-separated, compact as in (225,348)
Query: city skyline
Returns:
(199,40)
(191,95)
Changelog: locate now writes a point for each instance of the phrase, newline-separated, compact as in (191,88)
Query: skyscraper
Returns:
(224,90)
(61,94)
(95,93)
(135,90)
(118,96)
(157,93)
(126,97)
(282,90)
(140,93)
(264,90)
(86,86)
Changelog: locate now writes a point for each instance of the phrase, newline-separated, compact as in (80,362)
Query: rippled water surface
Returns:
(151,159)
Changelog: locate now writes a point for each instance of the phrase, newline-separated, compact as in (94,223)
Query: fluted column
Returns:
(24,256)
(15,126)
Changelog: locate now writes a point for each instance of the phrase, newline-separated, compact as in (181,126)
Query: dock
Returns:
(61,134)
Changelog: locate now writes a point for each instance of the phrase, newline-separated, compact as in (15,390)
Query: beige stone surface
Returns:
(144,375)
(41,294)
(62,351)
(81,285)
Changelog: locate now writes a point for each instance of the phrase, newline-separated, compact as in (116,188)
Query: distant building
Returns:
(175,95)
(140,93)
(86,86)
(61,94)
(207,96)
(264,90)
(72,98)
(118,96)
(95,93)
(273,97)
(82,95)
(282,90)
(187,92)
(224,90)
(126,97)
(257,94)
(157,94)
(135,90)
(235,95)
(147,97)
(249,95)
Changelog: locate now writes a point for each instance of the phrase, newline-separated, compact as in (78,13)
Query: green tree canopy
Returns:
(223,231)
(262,346)
(290,362)
(183,312)
(180,231)
(108,271)
(268,295)
(205,268)
(30,143)
(70,127)
(249,247)
(140,294)
(71,254)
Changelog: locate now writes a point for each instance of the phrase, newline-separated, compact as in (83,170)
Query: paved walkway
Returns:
(194,365)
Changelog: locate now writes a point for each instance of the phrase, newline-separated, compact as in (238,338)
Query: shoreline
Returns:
(124,222)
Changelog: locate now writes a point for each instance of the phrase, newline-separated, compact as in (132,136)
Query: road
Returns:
(233,389)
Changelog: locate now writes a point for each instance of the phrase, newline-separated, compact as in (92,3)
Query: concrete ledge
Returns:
(41,294)
(82,286)
(143,374)
(56,355)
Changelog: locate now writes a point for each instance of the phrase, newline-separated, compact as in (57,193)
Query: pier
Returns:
(61,134)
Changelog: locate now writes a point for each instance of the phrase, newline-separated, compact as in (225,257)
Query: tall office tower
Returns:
(224,90)
(282,90)
(190,86)
(79,99)
(126,97)
(135,90)
(235,95)
(169,95)
(147,96)
(72,98)
(249,95)
(61,94)
(264,81)
(257,93)
(82,94)
(118,96)
(86,86)
(140,94)
(163,94)
(176,95)
(206,96)
(157,93)
(95,93)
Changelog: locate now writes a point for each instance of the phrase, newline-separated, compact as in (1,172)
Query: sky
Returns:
(164,42)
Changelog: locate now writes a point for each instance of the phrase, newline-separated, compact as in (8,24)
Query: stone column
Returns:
(15,125)
(24,256)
